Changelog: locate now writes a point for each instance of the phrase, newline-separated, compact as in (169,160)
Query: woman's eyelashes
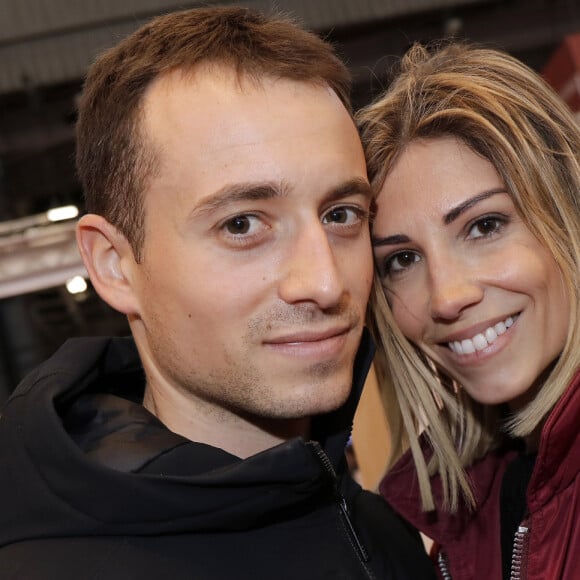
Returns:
(398,263)
(486,226)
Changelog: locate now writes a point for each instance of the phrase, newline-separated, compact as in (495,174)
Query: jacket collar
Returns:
(556,466)
(69,494)
(558,459)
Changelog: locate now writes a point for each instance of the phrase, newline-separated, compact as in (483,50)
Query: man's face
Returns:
(257,263)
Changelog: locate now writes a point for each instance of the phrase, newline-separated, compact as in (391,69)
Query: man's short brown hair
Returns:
(114,161)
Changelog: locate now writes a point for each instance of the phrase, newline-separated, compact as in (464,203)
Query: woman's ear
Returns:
(110,262)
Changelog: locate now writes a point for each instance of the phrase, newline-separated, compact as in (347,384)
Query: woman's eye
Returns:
(400,262)
(486,226)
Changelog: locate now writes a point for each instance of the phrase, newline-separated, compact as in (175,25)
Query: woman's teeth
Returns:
(483,339)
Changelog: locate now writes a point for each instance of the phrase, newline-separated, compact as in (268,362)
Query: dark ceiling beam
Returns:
(530,31)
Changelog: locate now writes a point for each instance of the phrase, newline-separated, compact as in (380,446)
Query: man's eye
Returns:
(243,231)
(342,215)
(241,224)
(338,215)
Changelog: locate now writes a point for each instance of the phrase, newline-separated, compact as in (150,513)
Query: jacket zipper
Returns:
(343,507)
(519,553)
(443,565)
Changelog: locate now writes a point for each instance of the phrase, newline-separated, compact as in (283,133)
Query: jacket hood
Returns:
(127,474)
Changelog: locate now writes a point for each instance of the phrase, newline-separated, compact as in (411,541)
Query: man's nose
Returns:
(311,273)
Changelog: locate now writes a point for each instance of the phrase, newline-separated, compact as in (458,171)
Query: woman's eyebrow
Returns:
(389,240)
(454,213)
(448,218)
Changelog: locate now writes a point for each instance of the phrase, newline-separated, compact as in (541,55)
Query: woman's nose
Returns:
(452,289)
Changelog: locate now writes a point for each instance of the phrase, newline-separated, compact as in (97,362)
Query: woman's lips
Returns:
(482,339)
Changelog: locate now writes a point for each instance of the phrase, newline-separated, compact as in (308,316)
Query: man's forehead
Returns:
(212,107)
(222,77)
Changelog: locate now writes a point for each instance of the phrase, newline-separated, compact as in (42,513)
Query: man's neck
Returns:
(202,422)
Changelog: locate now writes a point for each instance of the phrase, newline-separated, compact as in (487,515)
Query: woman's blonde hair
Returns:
(506,113)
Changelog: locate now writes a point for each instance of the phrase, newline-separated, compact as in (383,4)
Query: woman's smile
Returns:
(483,339)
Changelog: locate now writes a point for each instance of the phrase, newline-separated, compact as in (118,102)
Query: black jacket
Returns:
(92,486)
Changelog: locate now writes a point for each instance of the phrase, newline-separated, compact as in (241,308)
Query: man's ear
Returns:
(110,262)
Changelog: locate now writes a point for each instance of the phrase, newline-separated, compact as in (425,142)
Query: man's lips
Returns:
(314,346)
(304,336)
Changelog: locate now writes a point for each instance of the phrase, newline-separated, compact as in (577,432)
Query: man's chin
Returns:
(329,397)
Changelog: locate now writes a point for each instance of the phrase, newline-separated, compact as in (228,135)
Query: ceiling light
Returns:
(66,212)
(76,285)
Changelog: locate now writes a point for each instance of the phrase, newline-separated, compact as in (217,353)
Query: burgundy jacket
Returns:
(467,544)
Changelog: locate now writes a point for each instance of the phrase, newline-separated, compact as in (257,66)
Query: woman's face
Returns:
(467,281)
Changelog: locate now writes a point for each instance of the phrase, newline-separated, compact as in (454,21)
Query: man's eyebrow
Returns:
(233,193)
(354,186)
(453,214)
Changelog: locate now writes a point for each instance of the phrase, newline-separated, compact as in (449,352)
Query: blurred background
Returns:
(45,48)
